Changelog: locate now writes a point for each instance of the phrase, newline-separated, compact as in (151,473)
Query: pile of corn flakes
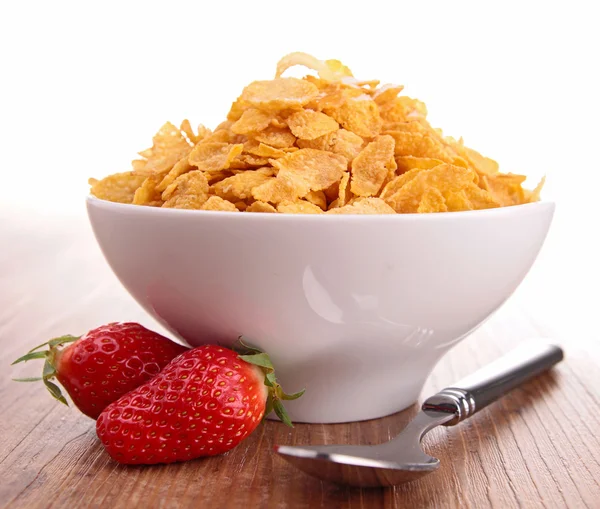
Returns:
(328,144)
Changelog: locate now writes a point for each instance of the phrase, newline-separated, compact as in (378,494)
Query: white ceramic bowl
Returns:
(356,309)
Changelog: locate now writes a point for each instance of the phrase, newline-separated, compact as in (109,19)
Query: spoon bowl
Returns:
(395,462)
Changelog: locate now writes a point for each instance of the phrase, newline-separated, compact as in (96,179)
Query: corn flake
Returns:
(398,182)
(147,193)
(332,192)
(279,93)
(342,142)
(317,198)
(421,145)
(411,126)
(407,163)
(344,191)
(252,121)
(480,198)
(483,165)
(261,206)
(387,93)
(432,201)
(447,178)
(456,202)
(359,115)
(310,124)
(181,167)
(316,169)
(119,187)
(194,138)
(534,195)
(329,70)
(217,203)
(505,188)
(262,150)
(372,166)
(298,207)
(403,109)
(276,137)
(278,189)
(189,191)
(240,186)
(169,145)
(252,161)
(364,206)
(214,156)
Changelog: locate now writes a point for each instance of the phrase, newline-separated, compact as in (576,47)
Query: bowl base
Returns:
(356,416)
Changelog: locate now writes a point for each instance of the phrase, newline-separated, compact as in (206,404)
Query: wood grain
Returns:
(537,447)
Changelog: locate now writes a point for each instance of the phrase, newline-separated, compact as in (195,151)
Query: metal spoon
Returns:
(402,459)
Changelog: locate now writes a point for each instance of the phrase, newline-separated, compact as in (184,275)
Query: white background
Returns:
(86,84)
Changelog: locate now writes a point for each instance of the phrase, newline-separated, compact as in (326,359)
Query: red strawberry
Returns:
(203,403)
(104,364)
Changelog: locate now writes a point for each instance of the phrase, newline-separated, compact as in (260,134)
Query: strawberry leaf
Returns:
(269,405)
(270,379)
(258,359)
(48,371)
(29,356)
(55,391)
(68,338)
(281,413)
(295,395)
(63,340)
(276,392)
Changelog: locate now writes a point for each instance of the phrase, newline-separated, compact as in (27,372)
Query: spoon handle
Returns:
(486,385)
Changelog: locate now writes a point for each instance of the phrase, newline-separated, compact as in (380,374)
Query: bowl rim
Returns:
(137,210)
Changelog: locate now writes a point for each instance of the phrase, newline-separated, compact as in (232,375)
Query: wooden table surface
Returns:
(537,447)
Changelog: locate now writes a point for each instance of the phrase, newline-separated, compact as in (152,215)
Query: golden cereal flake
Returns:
(457,202)
(407,163)
(359,115)
(278,189)
(446,178)
(217,203)
(261,206)
(240,186)
(317,198)
(364,206)
(387,93)
(276,137)
(169,145)
(279,93)
(119,188)
(147,193)
(372,166)
(298,207)
(432,201)
(317,169)
(506,189)
(214,156)
(480,198)
(344,190)
(252,121)
(182,166)
(310,124)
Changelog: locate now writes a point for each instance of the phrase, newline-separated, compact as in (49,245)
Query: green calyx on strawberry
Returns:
(49,370)
(276,394)
(103,365)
